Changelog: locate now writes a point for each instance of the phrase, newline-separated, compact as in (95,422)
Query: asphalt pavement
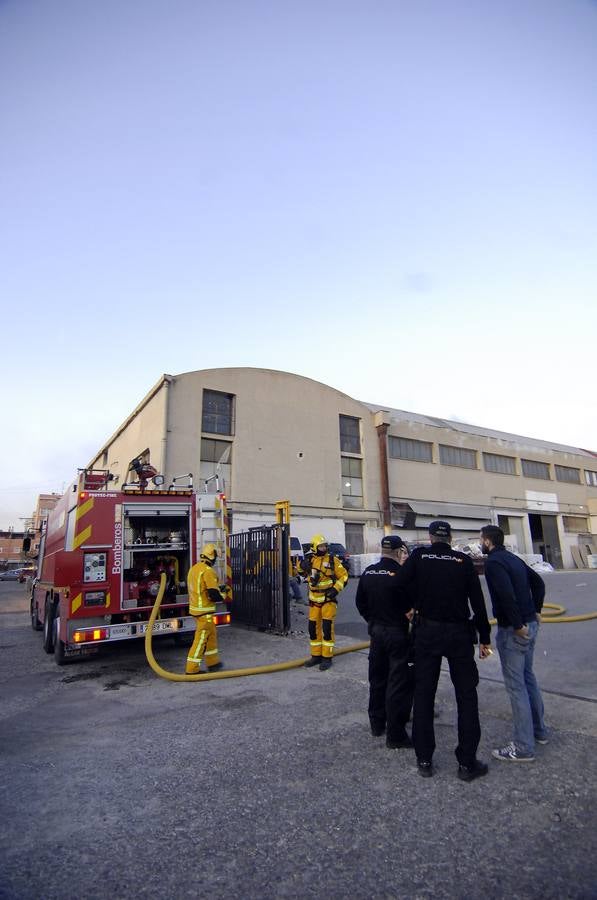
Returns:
(116,783)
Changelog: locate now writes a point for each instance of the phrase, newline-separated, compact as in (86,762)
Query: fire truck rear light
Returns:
(89,635)
(222,618)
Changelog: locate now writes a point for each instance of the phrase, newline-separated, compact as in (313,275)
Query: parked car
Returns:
(296,548)
(10,575)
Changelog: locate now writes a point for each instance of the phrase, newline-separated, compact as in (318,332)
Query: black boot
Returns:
(314,661)
(469,773)
(325,663)
(215,668)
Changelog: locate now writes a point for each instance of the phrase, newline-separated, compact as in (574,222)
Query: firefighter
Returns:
(204,593)
(326,577)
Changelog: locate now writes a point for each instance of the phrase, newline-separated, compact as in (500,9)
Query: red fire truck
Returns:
(101,559)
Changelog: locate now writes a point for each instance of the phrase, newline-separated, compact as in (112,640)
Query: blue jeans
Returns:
(295,588)
(516,657)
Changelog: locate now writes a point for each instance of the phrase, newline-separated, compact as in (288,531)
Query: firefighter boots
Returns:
(314,661)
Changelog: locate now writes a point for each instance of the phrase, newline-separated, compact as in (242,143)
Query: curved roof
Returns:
(256,369)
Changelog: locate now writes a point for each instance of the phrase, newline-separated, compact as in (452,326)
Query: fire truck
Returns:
(101,559)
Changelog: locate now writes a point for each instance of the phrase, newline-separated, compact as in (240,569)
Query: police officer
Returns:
(387,609)
(446,583)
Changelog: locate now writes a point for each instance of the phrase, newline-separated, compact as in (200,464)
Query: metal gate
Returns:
(259,560)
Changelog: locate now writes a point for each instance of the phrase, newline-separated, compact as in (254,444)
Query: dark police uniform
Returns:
(445,582)
(383,605)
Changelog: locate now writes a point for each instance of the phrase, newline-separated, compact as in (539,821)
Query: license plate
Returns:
(119,629)
(157,626)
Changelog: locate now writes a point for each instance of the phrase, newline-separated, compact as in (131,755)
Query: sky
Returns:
(397,198)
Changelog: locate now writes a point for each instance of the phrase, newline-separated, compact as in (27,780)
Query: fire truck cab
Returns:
(101,559)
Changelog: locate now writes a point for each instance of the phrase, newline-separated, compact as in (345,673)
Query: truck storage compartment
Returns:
(156,541)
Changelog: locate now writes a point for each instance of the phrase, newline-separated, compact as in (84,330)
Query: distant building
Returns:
(35,525)
(45,503)
(11,549)
(353,470)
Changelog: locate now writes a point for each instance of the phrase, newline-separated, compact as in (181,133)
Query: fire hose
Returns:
(552,612)
(227,673)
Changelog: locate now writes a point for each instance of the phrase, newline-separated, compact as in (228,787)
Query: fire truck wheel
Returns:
(49,627)
(35,623)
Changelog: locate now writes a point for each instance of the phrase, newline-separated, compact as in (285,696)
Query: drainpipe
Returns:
(382,426)
(164,449)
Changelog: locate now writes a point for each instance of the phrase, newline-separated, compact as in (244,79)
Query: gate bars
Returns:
(260,563)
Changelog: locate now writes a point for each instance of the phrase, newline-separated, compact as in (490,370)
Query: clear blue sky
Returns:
(396,198)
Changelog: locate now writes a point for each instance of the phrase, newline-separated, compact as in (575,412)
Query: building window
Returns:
(352,482)
(568,474)
(503,465)
(350,434)
(575,524)
(591,478)
(533,469)
(218,413)
(215,451)
(405,448)
(215,460)
(457,456)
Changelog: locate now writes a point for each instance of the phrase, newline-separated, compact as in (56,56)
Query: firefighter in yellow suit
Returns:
(204,593)
(326,577)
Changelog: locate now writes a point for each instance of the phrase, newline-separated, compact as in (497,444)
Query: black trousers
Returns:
(391,680)
(435,640)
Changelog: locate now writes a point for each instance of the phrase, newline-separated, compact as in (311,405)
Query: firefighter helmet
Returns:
(209,553)
(316,541)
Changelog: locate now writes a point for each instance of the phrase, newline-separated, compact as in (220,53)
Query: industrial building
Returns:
(354,470)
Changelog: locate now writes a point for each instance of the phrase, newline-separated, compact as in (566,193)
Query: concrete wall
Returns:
(286,444)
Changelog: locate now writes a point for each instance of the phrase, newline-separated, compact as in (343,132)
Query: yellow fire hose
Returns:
(555,614)
(227,673)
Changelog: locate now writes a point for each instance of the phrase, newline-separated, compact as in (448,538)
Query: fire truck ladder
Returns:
(213,529)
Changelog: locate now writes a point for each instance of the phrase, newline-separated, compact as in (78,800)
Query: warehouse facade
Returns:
(352,470)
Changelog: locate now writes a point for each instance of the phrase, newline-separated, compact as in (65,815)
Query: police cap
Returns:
(440,529)
(392,542)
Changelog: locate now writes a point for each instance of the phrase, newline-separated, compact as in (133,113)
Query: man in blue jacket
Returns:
(517,594)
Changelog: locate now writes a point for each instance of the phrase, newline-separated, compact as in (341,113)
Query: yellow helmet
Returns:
(209,553)
(316,540)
